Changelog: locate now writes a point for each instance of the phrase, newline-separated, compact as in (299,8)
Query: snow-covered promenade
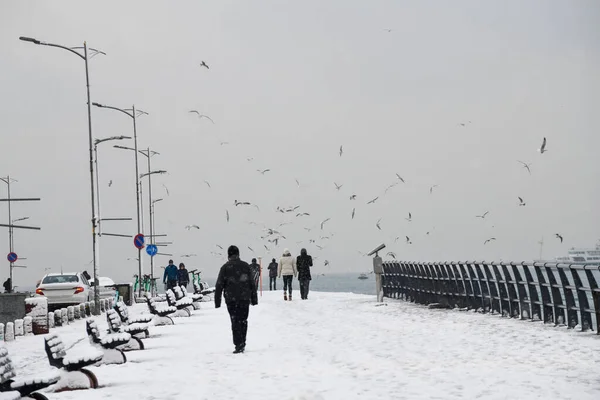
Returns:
(342,346)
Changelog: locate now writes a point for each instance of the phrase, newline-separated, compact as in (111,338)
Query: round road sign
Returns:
(138,241)
(151,249)
(12,257)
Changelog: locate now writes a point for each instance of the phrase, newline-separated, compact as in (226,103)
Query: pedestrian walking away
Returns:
(7,285)
(255,268)
(183,276)
(170,276)
(273,275)
(236,284)
(303,264)
(287,269)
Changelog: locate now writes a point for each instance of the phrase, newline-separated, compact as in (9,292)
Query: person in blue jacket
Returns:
(170,276)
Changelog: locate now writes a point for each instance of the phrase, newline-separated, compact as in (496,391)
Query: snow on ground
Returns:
(342,346)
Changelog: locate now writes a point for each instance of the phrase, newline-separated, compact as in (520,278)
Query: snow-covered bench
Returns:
(182,298)
(139,322)
(116,326)
(183,306)
(11,388)
(109,344)
(196,298)
(76,376)
(162,313)
(204,290)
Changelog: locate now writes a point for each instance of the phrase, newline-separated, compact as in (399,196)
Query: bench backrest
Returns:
(178,293)
(114,320)
(93,331)
(121,309)
(171,298)
(55,350)
(197,288)
(6,368)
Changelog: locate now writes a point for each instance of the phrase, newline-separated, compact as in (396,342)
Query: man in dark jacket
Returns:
(255,268)
(183,276)
(170,276)
(303,264)
(273,275)
(235,281)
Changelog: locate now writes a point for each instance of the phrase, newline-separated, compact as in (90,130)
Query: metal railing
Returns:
(563,294)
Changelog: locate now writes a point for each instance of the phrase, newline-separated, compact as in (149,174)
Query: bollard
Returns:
(37,309)
(92,308)
(70,313)
(82,310)
(378,270)
(1,332)
(76,312)
(50,321)
(9,335)
(102,305)
(28,326)
(65,316)
(58,318)
(18,327)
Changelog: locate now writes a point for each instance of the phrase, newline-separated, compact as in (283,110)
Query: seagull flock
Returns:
(272,236)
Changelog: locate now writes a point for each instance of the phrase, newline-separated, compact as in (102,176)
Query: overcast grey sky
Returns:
(289,82)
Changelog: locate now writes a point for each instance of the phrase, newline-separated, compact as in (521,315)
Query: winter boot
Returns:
(285,296)
(290,297)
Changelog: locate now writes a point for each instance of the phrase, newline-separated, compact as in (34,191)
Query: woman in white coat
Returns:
(287,269)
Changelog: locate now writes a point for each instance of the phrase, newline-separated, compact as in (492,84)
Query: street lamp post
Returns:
(132,113)
(85,58)
(152,236)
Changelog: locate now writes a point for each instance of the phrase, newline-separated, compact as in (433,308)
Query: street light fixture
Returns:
(85,57)
(133,114)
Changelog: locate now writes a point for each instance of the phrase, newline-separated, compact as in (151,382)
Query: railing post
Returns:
(378,270)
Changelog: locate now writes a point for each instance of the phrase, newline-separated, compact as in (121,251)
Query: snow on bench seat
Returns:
(86,355)
(115,337)
(46,380)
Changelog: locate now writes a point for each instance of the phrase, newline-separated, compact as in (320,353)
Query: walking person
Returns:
(303,264)
(287,269)
(170,276)
(236,284)
(273,275)
(7,286)
(183,276)
(255,268)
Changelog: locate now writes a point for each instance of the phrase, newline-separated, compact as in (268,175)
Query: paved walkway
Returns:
(342,346)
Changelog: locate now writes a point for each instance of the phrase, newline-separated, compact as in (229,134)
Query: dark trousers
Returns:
(171,284)
(184,284)
(287,283)
(273,283)
(238,312)
(304,284)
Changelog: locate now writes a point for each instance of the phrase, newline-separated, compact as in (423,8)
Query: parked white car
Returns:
(71,288)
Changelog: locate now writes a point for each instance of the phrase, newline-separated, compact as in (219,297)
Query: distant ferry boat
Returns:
(582,255)
(363,276)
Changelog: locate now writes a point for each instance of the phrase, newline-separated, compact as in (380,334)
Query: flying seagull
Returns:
(263,171)
(353,212)
(110,183)
(227,215)
(377,224)
(188,255)
(373,201)
(489,240)
(250,159)
(166,189)
(392,254)
(353,197)
(409,219)
(223,143)
(387,30)
(521,202)
(431,188)
(526,166)
(399,177)
(542,149)
(559,237)
(188,227)
(341,150)
(250,248)
(202,115)
(219,246)
(266,248)
(338,187)
(319,247)
(482,216)
(204,65)
(241,203)
(297,182)
(302,214)
(208,183)
(326,263)
(391,186)
(323,223)
(408,240)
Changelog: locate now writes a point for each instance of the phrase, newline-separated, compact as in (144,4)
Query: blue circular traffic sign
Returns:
(12,257)
(138,241)
(151,249)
